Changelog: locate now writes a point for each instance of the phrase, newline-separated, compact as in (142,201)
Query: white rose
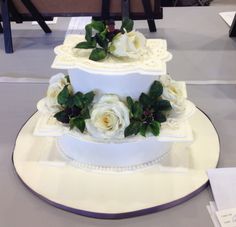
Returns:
(109,118)
(137,41)
(130,45)
(178,108)
(51,99)
(56,84)
(58,79)
(174,92)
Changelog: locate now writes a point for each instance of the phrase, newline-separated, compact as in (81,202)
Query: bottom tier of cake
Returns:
(113,155)
(128,153)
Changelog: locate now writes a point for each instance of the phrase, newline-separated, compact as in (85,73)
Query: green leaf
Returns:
(88,98)
(103,34)
(85,113)
(97,54)
(160,117)
(98,25)
(127,24)
(63,96)
(143,130)
(156,89)
(70,101)
(137,110)
(88,32)
(62,116)
(78,123)
(155,128)
(78,99)
(162,105)
(130,103)
(102,42)
(133,128)
(86,45)
(145,100)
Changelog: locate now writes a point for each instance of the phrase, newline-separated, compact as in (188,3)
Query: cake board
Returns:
(179,176)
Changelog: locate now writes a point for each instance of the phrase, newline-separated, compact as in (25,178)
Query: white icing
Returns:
(112,154)
(126,85)
(153,62)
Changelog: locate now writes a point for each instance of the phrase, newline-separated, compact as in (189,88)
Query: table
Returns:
(20,208)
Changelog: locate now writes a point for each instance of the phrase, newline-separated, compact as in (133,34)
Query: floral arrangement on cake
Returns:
(108,116)
(104,39)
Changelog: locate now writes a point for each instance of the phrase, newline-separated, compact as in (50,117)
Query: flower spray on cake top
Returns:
(104,40)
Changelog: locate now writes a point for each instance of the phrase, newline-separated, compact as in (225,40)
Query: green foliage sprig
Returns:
(104,34)
(147,114)
(75,108)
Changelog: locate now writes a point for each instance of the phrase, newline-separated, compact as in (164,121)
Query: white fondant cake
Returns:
(107,129)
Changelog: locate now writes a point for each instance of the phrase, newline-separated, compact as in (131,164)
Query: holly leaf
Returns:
(88,32)
(62,116)
(156,89)
(63,96)
(130,103)
(155,128)
(143,130)
(78,123)
(145,100)
(133,128)
(102,42)
(127,25)
(162,105)
(98,25)
(78,99)
(70,102)
(87,45)
(98,54)
(137,110)
(88,98)
(160,117)
(103,34)
(85,113)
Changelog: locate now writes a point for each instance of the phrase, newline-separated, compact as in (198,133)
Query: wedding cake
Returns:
(117,108)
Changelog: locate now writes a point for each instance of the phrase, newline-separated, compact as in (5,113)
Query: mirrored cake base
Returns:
(176,177)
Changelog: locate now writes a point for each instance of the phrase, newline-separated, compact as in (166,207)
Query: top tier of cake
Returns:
(121,76)
(152,62)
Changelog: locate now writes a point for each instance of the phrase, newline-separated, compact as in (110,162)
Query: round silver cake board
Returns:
(179,176)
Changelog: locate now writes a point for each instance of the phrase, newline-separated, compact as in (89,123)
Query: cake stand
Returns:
(179,176)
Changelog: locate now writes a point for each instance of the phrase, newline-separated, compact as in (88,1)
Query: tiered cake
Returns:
(117,108)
